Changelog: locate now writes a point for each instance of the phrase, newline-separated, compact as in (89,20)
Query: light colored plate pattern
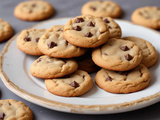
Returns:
(15,73)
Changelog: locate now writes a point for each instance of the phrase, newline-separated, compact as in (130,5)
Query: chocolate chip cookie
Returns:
(123,82)
(118,55)
(14,110)
(86,31)
(6,30)
(149,53)
(28,41)
(71,85)
(33,10)
(86,63)
(114,29)
(147,16)
(102,9)
(49,67)
(53,44)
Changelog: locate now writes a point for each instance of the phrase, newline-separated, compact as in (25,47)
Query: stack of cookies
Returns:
(68,53)
(56,65)
(65,63)
(124,64)
(83,45)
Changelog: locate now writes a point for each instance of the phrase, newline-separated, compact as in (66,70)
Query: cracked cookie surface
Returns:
(49,67)
(86,31)
(102,9)
(33,10)
(149,53)
(117,54)
(28,41)
(53,44)
(71,85)
(14,110)
(125,81)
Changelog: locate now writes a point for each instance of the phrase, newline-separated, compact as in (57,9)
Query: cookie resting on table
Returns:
(147,16)
(149,53)
(28,41)
(14,110)
(53,44)
(86,31)
(118,55)
(49,67)
(6,30)
(123,82)
(33,10)
(72,85)
(102,9)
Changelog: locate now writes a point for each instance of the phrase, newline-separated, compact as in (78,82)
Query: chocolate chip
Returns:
(141,13)
(128,57)
(141,74)
(30,11)
(109,78)
(105,53)
(33,5)
(2,116)
(83,76)
(124,72)
(124,48)
(78,20)
(39,60)
(93,8)
(106,20)
(90,24)
(66,42)
(89,34)
(27,39)
(77,28)
(60,29)
(74,84)
(52,44)
(109,27)
(37,39)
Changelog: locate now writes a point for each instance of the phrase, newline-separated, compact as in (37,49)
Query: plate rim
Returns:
(73,108)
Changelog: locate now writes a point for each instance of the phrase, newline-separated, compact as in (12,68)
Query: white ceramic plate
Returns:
(14,71)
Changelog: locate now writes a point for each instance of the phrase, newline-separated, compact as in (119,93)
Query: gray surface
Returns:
(71,8)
